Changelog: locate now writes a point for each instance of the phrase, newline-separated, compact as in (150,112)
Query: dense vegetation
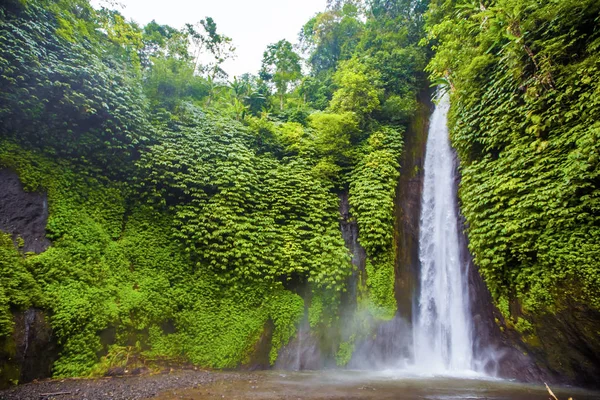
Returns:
(189,211)
(525,104)
(185,209)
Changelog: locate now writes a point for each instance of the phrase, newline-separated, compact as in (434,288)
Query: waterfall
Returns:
(442,333)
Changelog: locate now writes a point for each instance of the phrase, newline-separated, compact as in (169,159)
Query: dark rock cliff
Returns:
(23,214)
(408,206)
(31,350)
(567,342)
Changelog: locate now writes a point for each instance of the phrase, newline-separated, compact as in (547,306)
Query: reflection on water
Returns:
(397,385)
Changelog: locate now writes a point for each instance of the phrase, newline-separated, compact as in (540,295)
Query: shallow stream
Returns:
(382,385)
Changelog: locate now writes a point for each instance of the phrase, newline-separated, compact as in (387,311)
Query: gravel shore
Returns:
(114,388)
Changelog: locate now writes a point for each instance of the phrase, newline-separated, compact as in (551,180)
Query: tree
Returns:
(168,81)
(331,36)
(218,45)
(256,93)
(359,89)
(125,36)
(281,65)
(163,41)
(333,136)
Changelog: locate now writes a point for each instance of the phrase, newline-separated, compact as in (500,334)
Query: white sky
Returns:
(252,24)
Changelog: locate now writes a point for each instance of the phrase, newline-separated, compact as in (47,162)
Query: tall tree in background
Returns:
(281,65)
(203,36)
(163,41)
(331,36)
(408,13)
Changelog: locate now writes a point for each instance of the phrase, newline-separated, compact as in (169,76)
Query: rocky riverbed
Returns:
(144,386)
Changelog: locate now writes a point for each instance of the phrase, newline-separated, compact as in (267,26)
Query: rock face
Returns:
(349,229)
(31,350)
(567,343)
(36,349)
(22,213)
(259,359)
(303,352)
(408,206)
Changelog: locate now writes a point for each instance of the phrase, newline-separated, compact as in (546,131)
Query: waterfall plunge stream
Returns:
(442,331)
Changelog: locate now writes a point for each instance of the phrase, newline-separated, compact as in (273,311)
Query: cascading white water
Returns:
(442,331)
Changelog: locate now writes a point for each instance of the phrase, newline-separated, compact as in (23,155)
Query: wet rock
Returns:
(116,371)
(390,345)
(302,352)
(408,207)
(22,213)
(139,371)
(31,350)
(567,343)
(29,353)
(260,358)
(349,229)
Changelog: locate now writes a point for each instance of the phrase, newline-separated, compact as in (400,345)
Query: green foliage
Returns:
(218,45)
(117,357)
(161,41)
(368,68)
(18,289)
(287,310)
(331,37)
(317,91)
(398,109)
(182,206)
(230,325)
(225,199)
(359,89)
(131,275)
(281,65)
(333,136)
(63,97)
(525,76)
(315,311)
(172,80)
(372,194)
(344,353)
(126,37)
